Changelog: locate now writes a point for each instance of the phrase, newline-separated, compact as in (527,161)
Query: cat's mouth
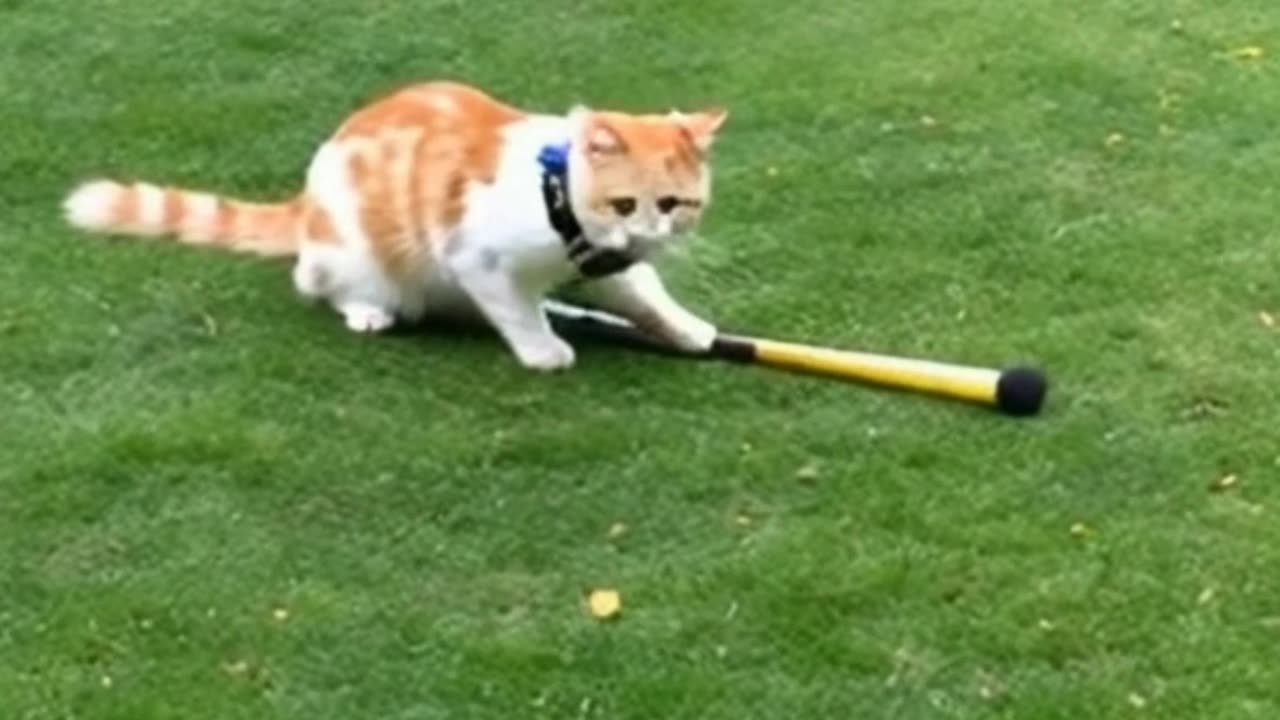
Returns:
(644,245)
(640,246)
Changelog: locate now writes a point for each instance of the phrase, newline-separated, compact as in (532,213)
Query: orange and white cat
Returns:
(435,198)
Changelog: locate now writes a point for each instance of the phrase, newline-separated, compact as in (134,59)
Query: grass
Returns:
(215,502)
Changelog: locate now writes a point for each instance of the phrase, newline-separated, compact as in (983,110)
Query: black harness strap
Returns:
(592,261)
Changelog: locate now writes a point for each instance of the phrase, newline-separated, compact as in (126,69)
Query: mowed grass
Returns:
(218,503)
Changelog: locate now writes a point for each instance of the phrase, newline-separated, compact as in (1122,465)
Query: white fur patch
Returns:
(91,206)
(150,208)
(202,213)
(330,187)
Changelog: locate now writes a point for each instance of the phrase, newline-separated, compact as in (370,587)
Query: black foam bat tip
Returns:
(1021,390)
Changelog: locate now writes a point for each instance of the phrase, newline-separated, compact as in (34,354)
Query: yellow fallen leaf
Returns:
(1226,482)
(808,473)
(617,530)
(280,614)
(1080,530)
(1114,139)
(1248,52)
(1137,700)
(605,604)
(928,121)
(1267,319)
(1206,596)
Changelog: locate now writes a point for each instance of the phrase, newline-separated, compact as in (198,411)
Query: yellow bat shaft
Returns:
(974,384)
(1016,391)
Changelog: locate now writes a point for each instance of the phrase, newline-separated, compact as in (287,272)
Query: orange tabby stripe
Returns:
(448,136)
(175,208)
(129,207)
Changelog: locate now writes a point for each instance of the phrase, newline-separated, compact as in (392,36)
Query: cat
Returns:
(440,197)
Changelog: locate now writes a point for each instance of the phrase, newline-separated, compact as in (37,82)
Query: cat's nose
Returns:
(647,234)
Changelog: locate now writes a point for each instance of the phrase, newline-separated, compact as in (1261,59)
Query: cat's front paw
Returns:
(691,334)
(549,355)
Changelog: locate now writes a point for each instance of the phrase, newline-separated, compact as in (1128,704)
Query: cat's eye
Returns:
(667,203)
(623,206)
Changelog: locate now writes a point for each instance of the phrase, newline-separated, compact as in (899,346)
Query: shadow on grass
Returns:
(581,332)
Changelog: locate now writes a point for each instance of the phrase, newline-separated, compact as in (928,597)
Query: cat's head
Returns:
(642,179)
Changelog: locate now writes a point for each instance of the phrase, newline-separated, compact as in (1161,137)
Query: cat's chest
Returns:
(508,218)
(508,224)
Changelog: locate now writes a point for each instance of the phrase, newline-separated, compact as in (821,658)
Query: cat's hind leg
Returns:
(365,318)
(335,261)
(351,283)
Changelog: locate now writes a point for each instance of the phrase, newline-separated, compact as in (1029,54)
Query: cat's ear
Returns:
(602,139)
(598,137)
(702,126)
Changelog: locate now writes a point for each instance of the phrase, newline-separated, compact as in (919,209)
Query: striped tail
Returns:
(197,218)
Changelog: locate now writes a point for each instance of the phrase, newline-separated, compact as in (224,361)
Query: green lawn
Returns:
(216,502)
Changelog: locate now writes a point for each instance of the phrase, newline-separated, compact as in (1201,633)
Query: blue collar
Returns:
(592,261)
(555,159)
